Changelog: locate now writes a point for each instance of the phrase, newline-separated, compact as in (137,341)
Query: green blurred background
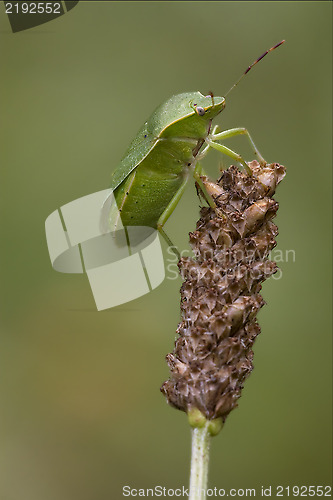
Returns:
(81,413)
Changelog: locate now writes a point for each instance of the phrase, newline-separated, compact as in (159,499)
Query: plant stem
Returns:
(199,462)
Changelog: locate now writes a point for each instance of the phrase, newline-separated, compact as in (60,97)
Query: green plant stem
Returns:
(199,462)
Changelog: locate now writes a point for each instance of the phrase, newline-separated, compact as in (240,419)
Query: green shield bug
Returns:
(152,176)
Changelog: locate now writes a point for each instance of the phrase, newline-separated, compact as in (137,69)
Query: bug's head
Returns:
(208,106)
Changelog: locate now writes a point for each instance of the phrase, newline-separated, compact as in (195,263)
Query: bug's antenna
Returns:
(253,64)
(210,93)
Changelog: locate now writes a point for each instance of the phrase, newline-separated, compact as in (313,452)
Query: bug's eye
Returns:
(201,111)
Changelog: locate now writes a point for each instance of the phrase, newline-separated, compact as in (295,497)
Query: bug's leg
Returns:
(169,242)
(229,152)
(166,214)
(205,150)
(198,172)
(215,129)
(239,131)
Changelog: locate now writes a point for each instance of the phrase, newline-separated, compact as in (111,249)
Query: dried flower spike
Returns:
(220,295)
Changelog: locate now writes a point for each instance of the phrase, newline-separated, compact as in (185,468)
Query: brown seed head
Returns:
(220,295)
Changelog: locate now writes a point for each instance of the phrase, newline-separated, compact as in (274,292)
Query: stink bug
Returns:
(151,178)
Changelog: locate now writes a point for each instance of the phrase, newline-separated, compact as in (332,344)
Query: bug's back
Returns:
(159,159)
(167,114)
